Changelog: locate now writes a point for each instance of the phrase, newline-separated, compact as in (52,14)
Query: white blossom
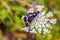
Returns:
(49,14)
(33,31)
(48,25)
(46,19)
(43,13)
(53,21)
(44,22)
(39,7)
(41,22)
(45,31)
(43,25)
(40,29)
(32,27)
(26,29)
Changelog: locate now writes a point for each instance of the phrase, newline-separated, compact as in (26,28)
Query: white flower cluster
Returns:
(42,22)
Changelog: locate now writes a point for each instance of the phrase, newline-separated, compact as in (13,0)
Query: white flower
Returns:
(33,31)
(32,27)
(33,23)
(41,22)
(39,15)
(39,7)
(26,29)
(53,21)
(39,30)
(42,18)
(46,19)
(43,25)
(49,14)
(43,13)
(48,25)
(45,31)
(38,26)
(44,22)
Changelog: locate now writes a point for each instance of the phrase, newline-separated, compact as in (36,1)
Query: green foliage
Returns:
(40,2)
(13,22)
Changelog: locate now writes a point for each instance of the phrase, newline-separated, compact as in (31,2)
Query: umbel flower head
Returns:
(42,22)
(39,21)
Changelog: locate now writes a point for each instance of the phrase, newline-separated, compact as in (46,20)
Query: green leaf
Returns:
(3,14)
(19,21)
(41,2)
